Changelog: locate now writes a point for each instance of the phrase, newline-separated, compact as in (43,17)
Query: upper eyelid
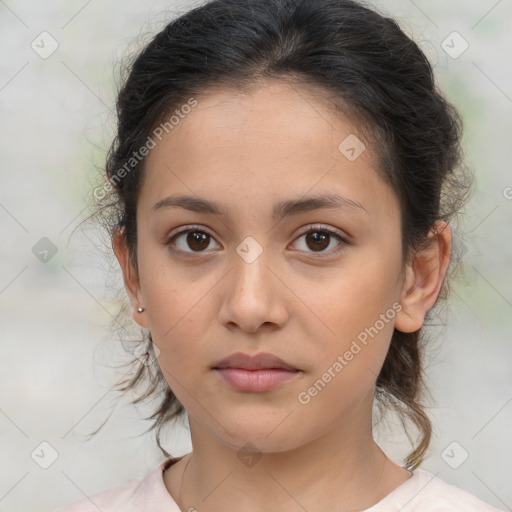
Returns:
(185,229)
(321,227)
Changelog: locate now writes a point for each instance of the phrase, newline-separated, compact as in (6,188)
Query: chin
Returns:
(253,434)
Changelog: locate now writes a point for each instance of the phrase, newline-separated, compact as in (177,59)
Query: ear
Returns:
(424,277)
(130,277)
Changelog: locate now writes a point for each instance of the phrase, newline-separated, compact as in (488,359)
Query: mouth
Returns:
(255,374)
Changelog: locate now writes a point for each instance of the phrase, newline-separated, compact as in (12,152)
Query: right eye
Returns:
(196,239)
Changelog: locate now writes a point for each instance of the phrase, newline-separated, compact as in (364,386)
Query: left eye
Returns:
(318,239)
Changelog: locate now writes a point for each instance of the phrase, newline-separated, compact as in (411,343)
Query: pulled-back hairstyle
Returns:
(365,65)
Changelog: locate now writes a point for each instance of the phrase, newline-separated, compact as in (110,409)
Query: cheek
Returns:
(351,297)
(178,330)
(180,312)
(171,292)
(347,362)
(355,311)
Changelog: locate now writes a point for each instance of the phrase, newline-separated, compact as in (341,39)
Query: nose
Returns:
(253,295)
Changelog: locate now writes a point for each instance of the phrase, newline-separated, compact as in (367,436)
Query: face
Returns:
(250,264)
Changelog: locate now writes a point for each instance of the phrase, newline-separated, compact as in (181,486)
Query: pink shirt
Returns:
(423,492)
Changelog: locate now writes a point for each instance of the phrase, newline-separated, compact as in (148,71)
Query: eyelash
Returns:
(314,228)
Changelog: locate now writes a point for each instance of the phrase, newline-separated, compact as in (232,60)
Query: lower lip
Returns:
(256,381)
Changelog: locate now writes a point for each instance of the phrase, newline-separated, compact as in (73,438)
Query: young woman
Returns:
(280,191)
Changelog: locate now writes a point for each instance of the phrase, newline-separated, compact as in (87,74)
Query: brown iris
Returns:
(198,240)
(318,239)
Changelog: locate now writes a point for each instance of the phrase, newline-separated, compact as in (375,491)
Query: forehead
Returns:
(277,137)
(268,111)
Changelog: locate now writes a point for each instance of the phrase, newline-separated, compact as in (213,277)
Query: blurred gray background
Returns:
(59,60)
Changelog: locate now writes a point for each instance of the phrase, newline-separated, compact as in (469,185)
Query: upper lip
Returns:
(257,362)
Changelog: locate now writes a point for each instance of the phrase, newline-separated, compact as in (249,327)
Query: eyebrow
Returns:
(280,210)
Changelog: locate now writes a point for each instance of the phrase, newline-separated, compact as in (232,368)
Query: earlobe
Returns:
(130,278)
(424,277)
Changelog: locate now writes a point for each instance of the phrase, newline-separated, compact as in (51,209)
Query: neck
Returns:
(338,471)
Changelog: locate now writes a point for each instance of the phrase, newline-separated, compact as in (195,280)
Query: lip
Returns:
(261,361)
(256,374)
(256,381)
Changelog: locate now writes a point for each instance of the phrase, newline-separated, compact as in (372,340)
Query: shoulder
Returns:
(426,492)
(112,500)
(136,496)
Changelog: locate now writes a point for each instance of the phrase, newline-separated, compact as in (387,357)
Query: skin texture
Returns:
(247,151)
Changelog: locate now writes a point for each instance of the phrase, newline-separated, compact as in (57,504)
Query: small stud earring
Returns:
(140,310)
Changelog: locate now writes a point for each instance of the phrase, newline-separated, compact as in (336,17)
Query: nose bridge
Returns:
(251,297)
(251,275)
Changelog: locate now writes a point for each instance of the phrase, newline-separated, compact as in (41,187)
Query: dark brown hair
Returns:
(364,63)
